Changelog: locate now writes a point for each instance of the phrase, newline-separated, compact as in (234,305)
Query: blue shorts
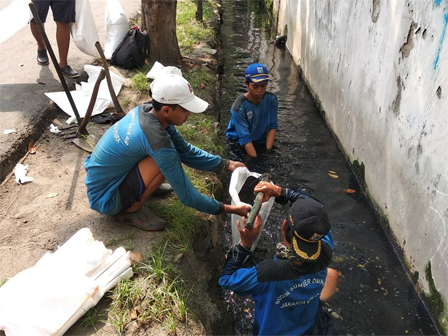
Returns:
(131,189)
(63,10)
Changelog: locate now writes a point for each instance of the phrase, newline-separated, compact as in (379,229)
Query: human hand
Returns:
(235,164)
(248,237)
(268,189)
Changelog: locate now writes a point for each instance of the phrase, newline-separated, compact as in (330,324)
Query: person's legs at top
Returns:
(63,14)
(63,40)
(42,10)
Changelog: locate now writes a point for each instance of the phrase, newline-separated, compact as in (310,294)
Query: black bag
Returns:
(132,51)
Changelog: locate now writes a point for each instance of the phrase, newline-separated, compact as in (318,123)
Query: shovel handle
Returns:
(257,204)
(108,79)
(54,60)
(85,121)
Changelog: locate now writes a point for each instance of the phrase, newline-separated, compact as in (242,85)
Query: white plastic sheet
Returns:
(81,96)
(239,177)
(50,297)
(83,31)
(116,27)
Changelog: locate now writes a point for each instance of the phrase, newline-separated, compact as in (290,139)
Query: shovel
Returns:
(84,140)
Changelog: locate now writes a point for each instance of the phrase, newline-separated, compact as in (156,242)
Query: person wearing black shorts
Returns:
(63,14)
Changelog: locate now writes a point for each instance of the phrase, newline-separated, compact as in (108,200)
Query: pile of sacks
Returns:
(50,297)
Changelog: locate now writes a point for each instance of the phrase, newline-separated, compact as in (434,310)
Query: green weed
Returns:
(91,318)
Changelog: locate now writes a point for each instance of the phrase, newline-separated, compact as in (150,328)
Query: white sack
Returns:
(116,27)
(81,96)
(83,31)
(239,177)
(50,297)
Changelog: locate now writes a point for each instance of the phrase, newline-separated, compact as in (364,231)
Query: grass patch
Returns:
(92,317)
(139,80)
(434,299)
(3,281)
(189,31)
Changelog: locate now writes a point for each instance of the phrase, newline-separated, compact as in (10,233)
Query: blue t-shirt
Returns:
(126,143)
(251,122)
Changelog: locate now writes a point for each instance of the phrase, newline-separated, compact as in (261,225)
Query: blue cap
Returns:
(256,73)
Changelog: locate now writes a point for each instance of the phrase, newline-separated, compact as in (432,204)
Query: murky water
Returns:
(375,295)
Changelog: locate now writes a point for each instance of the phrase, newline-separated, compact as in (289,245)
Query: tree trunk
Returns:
(159,19)
(199,11)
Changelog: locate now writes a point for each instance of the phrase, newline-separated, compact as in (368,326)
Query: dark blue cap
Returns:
(256,73)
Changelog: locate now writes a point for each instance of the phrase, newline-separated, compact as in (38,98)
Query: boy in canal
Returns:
(287,290)
(254,113)
(144,148)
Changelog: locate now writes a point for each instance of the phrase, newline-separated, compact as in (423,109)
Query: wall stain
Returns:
(442,37)
(375,10)
(409,44)
(397,100)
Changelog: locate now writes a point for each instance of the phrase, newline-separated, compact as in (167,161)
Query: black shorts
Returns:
(63,10)
(131,189)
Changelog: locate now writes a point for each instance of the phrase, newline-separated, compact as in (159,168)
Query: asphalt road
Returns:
(23,83)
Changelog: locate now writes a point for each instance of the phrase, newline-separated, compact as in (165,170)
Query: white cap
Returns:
(174,89)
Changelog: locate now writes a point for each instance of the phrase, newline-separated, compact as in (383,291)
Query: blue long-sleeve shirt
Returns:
(286,295)
(137,135)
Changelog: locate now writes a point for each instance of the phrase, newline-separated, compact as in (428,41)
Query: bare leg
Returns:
(152,178)
(36,33)
(63,40)
(330,284)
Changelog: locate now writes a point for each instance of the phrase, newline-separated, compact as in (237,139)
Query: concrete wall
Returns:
(379,70)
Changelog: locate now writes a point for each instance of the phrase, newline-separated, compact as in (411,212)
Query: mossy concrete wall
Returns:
(379,69)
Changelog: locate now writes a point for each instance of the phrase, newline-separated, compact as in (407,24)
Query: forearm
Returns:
(250,149)
(270,138)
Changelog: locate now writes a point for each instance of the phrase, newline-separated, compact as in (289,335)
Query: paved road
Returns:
(23,105)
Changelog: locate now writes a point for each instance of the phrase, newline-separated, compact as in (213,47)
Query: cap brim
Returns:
(259,79)
(196,105)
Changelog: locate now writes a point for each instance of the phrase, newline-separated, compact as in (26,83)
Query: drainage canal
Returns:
(375,295)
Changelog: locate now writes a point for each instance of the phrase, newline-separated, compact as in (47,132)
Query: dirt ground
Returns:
(38,216)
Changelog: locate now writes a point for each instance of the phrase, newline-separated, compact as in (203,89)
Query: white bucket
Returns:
(239,177)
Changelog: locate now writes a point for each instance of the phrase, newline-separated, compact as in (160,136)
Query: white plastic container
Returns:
(239,177)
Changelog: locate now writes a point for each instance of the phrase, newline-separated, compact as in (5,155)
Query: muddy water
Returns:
(375,295)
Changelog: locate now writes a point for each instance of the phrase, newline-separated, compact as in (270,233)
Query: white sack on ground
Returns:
(81,96)
(239,177)
(14,17)
(50,297)
(116,27)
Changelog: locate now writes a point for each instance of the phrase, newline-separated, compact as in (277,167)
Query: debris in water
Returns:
(349,191)
(333,175)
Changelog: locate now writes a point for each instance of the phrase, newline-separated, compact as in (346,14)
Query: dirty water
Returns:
(375,295)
